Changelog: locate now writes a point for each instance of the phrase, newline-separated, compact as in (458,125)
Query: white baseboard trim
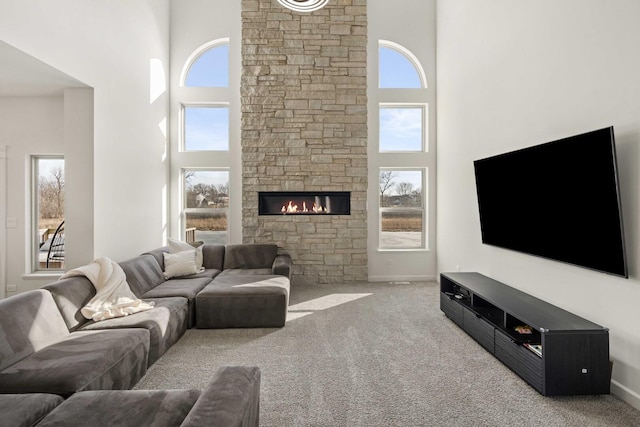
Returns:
(625,393)
(402,278)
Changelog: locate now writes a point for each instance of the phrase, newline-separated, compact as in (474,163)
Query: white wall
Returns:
(79,182)
(30,125)
(516,73)
(110,47)
(412,24)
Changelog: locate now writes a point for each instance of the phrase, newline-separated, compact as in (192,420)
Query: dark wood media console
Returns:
(563,354)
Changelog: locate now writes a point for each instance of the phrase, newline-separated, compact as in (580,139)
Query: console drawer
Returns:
(519,359)
(479,329)
(451,308)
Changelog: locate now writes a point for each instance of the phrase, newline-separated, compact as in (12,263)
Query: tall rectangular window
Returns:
(402,128)
(402,212)
(206,205)
(48,190)
(206,128)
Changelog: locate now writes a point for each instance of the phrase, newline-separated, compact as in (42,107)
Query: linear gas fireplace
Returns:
(304,203)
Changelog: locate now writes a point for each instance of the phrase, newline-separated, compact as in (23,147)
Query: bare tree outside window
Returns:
(401,209)
(206,202)
(49,189)
(386,182)
(51,196)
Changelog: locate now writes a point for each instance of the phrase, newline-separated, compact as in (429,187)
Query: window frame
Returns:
(35,212)
(424,106)
(194,57)
(183,124)
(424,216)
(184,210)
(410,57)
(404,160)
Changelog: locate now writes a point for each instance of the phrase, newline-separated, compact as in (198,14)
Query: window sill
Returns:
(38,275)
(403,250)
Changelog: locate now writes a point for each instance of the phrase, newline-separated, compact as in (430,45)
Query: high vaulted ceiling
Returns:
(23,75)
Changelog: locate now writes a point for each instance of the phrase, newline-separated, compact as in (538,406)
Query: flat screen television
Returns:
(559,200)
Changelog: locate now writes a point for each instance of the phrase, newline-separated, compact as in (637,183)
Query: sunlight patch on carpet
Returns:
(297,315)
(302,309)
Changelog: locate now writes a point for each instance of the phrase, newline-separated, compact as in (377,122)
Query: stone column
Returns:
(304,128)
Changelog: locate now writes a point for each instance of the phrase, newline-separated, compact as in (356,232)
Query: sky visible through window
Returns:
(397,182)
(207,128)
(210,69)
(46,167)
(401,129)
(207,177)
(396,71)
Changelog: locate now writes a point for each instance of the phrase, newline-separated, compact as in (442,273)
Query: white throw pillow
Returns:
(180,264)
(176,246)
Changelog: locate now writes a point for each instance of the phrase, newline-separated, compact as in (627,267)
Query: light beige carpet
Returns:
(376,355)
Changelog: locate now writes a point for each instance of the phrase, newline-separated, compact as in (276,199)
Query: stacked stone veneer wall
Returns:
(304,128)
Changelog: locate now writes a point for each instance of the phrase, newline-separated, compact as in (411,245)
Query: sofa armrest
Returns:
(232,399)
(282,265)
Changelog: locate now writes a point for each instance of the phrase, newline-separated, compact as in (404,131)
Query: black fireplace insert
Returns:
(304,203)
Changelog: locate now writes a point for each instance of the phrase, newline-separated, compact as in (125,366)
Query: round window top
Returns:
(303,5)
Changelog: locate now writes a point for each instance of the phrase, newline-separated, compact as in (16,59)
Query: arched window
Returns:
(398,68)
(402,140)
(202,157)
(208,66)
(206,125)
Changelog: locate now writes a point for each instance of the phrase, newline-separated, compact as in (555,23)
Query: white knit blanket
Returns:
(113,296)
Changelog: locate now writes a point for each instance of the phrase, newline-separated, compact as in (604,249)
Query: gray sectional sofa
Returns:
(48,349)
(232,398)
(38,354)
(241,285)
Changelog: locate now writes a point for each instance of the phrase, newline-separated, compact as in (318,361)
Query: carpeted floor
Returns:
(376,355)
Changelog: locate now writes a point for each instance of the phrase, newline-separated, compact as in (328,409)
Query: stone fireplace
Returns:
(304,129)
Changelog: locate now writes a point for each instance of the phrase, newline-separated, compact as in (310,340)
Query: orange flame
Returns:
(292,208)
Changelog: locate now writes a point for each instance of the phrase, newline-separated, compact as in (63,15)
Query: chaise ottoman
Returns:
(243,301)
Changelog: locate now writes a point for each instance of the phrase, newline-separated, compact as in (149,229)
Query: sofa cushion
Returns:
(236,301)
(180,287)
(158,254)
(29,322)
(158,408)
(213,256)
(83,360)
(166,322)
(25,410)
(208,273)
(282,265)
(246,272)
(71,294)
(232,398)
(250,256)
(143,274)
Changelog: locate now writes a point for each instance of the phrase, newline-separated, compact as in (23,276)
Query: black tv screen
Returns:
(559,200)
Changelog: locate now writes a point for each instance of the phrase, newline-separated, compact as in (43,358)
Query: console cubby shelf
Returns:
(575,351)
